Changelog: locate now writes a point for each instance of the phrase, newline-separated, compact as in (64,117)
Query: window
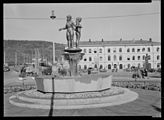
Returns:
(143,57)
(128,50)
(109,66)
(90,50)
(95,66)
(115,65)
(85,67)
(120,66)
(138,57)
(157,49)
(133,50)
(100,50)
(158,65)
(120,58)
(120,49)
(95,51)
(90,59)
(85,50)
(108,50)
(114,50)
(128,65)
(128,58)
(148,49)
(138,50)
(157,57)
(101,66)
(143,49)
(133,58)
(108,57)
(100,58)
(115,57)
(85,59)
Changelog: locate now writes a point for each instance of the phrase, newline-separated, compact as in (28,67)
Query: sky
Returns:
(110,29)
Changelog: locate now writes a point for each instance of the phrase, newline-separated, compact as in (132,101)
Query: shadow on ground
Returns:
(156,108)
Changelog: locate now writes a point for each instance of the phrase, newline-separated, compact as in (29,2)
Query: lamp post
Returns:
(53,17)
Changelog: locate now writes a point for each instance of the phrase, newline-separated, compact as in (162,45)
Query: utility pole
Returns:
(24,59)
(15,58)
(53,52)
(37,55)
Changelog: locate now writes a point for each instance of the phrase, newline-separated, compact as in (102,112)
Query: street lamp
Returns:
(53,17)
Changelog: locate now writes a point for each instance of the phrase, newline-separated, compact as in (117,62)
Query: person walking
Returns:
(142,73)
(146,73)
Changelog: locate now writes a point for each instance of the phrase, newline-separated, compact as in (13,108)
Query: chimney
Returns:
(150,39)
(89,40)
(120,39)
(141,39)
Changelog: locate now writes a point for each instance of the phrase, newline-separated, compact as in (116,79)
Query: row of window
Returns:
(120,58)
(120,50)
(120,66)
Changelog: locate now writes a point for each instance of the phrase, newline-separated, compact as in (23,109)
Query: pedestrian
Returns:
(135,73)
(146,73)
(142,73)
(139,73)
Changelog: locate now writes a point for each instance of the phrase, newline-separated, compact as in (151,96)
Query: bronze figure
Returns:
(70,27)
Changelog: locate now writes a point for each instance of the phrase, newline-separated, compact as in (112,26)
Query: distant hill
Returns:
(27,48)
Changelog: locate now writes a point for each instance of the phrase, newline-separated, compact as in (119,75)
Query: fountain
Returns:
(73,82)
(73,91)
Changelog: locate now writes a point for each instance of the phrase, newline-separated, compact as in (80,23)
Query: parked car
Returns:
(90,70)
(84,70)
(94,71)
(103,70)
(151,70)
(159,70)
(6,69)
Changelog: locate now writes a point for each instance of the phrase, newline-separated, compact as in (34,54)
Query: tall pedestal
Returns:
(73,56)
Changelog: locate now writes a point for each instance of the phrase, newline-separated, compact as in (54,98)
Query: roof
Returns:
(119,43)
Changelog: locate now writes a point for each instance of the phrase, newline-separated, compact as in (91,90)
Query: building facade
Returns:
(119,54)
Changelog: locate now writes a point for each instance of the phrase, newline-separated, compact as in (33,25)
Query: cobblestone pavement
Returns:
(148,104)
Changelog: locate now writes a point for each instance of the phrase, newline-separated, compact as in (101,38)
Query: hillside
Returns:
(26,49)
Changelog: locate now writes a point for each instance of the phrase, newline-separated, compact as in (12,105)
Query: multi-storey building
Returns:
(120,54)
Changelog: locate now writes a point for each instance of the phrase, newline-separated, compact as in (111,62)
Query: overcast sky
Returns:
(127,28)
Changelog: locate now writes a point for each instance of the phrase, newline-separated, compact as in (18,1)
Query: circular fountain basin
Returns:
(73,84)
(109,97)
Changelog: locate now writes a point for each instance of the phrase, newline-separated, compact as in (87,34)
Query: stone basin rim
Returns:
(72,77)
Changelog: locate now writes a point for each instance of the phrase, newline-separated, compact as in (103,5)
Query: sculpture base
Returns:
(73,50)
(73,55)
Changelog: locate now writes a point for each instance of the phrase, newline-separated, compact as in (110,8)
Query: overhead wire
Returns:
(98,17)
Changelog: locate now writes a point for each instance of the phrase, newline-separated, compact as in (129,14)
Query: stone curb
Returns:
(128,96)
